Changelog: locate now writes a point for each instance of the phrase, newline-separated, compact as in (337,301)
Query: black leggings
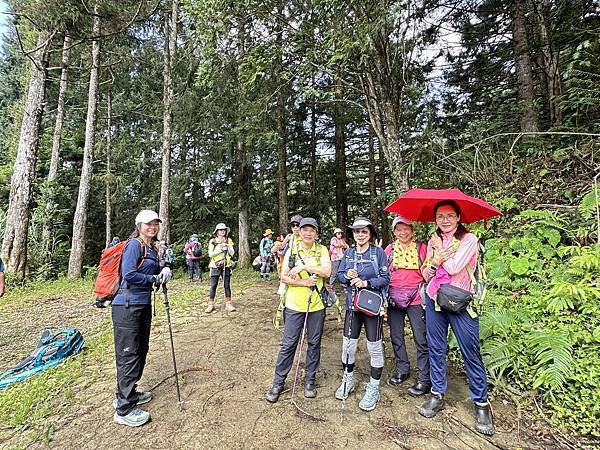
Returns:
(373,330)
(373,325)
(215,274)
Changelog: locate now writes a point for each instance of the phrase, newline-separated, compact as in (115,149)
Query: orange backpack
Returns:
(109,272)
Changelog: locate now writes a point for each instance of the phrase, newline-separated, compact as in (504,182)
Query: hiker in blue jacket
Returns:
(362,266)
(132,315)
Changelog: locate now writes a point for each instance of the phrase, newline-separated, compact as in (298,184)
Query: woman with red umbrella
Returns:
(452,257)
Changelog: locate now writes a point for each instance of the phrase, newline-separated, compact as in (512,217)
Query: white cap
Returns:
(400,219)
(146,216)
(337,230)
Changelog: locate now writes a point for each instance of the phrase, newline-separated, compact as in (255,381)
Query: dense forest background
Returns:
(246,112)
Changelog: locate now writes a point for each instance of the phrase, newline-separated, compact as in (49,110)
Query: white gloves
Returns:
(163,277)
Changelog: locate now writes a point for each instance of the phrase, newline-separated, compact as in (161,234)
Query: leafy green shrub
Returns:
(541,331)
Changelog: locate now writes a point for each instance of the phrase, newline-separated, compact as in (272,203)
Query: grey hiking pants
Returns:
(131,326)
(416,316)
(292,331)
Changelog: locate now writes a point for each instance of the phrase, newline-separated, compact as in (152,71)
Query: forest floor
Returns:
(226,362)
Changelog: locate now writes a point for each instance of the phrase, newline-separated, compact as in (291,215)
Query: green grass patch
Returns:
(36,290)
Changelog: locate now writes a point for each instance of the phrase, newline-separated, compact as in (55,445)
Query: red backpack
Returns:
(109,272)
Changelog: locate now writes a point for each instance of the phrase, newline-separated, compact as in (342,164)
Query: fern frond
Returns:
(554,358)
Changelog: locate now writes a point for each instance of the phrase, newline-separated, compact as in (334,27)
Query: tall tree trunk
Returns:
(170,36)
(549,64)
(385,223)
(341,195)
(56,141)
(14,245)
(85,182)
(383,118)
(282,184)
(529,119)
(108,194)
(372,180)
(313,146)
(243,183)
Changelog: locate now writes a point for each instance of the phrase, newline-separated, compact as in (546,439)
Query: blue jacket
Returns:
(364,263)
(138,280)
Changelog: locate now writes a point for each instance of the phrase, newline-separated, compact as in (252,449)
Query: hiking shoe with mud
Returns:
(432,406)
(273,394)
(143,397)
(483,419)
(369,401)
(229,307)
(310,390)
(348,383)
(134,418)
(210,308)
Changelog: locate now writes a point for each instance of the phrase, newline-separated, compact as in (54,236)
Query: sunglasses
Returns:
(295,225)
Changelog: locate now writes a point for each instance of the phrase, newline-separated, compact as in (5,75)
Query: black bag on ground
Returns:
(453,299)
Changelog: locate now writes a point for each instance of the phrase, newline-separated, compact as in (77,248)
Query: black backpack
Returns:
(197,250)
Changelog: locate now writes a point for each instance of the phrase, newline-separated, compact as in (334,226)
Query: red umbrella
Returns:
(417,205)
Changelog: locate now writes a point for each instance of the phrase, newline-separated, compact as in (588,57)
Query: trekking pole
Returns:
(154,304)
(295,385)
(344,394)
(167,308)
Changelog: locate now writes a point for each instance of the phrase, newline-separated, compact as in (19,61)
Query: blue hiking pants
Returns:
(466,330)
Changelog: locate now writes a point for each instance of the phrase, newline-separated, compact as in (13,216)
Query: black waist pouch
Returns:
(453,299)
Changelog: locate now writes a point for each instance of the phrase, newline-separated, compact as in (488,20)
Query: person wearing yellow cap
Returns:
(266,244)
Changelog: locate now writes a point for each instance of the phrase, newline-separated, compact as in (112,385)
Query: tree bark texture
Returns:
(313,145)
(170,36)
(526,97)
(56,141)
(14,245)
(85,182)
(383,81)
(372,180)
(282,185)
(548,59)
(341,195)
(243,183)
(108,187)
(385,223)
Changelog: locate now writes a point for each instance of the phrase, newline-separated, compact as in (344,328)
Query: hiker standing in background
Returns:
(193,253)
(220,251)
(363,266)
(290,241)
(305,269)
(132,316)
(405,258)
(337,246)
(1,277)
(266,244)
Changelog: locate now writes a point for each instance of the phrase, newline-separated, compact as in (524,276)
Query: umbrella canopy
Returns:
(417,205)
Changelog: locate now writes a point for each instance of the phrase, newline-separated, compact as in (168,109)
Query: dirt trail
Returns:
(228,361)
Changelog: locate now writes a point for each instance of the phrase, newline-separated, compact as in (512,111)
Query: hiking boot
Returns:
(134,418)
(348,383)
(228,305)
(483,419)
(432,406)
(143,397)
(310,390)
(419,389)
(398,378)
(273,394)
(369,401)
(210,308)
